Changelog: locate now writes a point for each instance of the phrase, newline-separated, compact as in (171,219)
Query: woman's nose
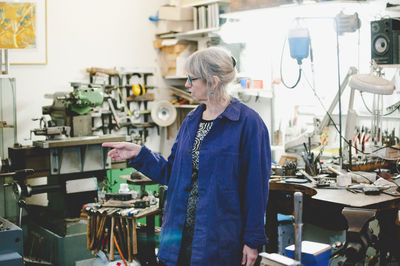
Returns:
(187,84)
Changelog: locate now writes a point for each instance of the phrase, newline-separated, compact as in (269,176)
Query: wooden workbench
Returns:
(323,207)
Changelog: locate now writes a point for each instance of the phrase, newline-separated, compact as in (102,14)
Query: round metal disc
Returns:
(163,113)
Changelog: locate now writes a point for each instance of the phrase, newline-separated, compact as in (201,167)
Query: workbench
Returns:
(109,228)
(323,207)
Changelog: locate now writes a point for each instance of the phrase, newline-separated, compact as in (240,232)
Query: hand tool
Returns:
(134,238)
(128,224)
(119,251)
(125,236)
(120,235)
(111,238)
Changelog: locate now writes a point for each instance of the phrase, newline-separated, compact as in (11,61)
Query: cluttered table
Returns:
(323,205)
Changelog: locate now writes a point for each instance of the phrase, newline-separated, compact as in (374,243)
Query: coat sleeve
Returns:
(256,170)
(154,165)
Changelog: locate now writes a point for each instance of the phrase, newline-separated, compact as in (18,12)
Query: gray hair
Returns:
(209,62)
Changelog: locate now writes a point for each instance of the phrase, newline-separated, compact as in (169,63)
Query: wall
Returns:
(83,34)
(264,31)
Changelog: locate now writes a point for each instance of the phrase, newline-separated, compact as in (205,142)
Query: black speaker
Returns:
(385,44)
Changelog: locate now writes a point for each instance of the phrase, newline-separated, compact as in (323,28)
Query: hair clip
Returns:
(233,61)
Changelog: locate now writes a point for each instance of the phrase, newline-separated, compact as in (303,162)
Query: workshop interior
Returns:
(324,76)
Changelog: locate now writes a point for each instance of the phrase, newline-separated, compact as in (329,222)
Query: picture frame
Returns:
(36,55)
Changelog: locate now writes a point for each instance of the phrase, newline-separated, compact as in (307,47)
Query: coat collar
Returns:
(232,111)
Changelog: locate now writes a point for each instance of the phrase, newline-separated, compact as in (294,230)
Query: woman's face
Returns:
(197,87)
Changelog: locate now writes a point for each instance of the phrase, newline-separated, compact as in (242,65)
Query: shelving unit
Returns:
(207,2)
(265,93)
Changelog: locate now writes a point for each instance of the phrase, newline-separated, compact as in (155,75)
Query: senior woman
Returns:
(217,173)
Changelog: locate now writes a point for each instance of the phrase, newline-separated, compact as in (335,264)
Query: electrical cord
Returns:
(369,110)
(334,124)
(366,107)
(280,69)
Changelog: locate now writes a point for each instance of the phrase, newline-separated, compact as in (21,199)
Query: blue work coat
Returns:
(234,170)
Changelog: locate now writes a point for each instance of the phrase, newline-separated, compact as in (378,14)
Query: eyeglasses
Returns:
(191,79)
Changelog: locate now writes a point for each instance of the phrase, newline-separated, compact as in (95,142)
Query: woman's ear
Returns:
(216,82)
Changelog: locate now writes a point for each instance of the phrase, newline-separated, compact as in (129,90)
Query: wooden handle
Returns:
(88,233)
(333,170)
(134,237)
(108,71)
(112,238)
(129,241)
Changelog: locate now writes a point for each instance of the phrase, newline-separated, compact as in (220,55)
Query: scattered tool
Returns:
(119,251)
(112,237)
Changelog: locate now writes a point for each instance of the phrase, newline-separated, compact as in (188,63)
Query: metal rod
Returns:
(298,226)
(1,62)
(7,65)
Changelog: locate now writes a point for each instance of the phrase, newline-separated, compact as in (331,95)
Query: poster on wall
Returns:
(23,31)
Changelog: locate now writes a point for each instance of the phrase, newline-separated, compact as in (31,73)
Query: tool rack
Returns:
(110,228)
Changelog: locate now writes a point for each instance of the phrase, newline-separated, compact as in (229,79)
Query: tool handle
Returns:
(134,237)
(111,238)
(119,251)
(333,170)
(129,241)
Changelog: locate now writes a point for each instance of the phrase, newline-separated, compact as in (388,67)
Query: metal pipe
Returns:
(1,62)
(298,226)
(7,64)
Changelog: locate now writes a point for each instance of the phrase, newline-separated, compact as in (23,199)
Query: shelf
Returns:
(207,2)
(189,34)
(6,77)
(389,66)
(277,147)
(296,8)
(254,92)
(175,77)
(190,106)
(141,70)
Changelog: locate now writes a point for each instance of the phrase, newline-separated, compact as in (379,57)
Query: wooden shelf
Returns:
(175,77)
(254,92)
(190,106)
(207,2)
(189,34)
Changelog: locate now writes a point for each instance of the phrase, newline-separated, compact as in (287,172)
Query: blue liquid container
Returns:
(299,43)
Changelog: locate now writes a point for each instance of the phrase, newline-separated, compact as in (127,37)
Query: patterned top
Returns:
(188,229)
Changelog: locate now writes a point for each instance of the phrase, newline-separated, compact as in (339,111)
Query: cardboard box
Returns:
(168,26)
(173,55)
(175,13)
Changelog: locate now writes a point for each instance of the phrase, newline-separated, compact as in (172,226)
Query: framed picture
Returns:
(24,31)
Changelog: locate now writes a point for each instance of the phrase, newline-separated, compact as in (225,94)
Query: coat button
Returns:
(187,189)
(190,150)
(180,227)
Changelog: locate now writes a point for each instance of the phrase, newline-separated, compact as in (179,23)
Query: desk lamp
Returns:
(378,86)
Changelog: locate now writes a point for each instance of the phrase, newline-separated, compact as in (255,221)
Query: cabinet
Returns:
(8,115)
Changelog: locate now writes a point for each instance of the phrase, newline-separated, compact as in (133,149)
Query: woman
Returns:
(217,173)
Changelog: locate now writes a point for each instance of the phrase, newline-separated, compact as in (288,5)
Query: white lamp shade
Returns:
(372,84)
